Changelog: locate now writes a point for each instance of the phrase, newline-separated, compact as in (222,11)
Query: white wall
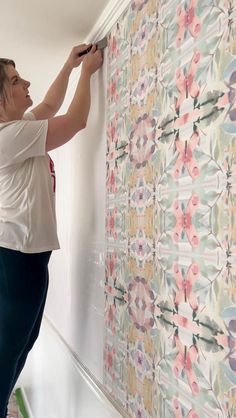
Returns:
(76,295)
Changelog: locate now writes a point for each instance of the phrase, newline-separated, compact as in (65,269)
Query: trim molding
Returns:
(102,27)
(92,381)
(107,19)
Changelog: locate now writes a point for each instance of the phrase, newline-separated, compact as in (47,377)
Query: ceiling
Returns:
(50,21)
(40,34)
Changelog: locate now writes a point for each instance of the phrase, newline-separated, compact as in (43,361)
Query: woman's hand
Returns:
(74,60)
(92,61)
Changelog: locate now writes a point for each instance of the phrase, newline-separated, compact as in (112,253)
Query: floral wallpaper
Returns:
(170,314)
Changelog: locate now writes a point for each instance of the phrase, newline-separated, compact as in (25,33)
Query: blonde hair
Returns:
(4,78)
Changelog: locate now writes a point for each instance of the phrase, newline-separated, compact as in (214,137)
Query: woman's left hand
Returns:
(74,60)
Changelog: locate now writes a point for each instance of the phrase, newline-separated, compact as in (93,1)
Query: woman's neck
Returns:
(10,116)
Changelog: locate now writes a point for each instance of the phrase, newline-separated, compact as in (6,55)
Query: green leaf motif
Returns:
(211,244)
(229,128)
(228,313)
(229,374)
(212,170)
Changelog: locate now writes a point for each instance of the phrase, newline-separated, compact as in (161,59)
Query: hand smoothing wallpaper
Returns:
(170,332)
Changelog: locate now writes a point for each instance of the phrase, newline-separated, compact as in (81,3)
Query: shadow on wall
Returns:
(87,230)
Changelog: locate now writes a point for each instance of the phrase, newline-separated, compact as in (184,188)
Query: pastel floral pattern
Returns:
(170,294)
(178,412)
(184,221)
(187,20)
(142,138)
(185,286)
(142,87)
(145,32)
(141,304)
(184,363)
(138,4)
(185,157)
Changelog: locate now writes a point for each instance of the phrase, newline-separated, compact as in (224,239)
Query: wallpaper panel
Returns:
(170,337)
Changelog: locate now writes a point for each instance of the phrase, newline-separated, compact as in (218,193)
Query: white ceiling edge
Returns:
(103,25)
(107,19)
(105,22)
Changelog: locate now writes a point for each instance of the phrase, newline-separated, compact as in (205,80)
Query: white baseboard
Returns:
(95,385)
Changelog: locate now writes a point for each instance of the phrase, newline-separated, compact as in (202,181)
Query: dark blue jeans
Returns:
(23,291)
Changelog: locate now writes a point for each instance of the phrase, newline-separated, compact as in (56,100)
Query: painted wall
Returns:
(76,295)
(170,216)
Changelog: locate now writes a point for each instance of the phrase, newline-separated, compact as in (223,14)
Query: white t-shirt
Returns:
(27,187)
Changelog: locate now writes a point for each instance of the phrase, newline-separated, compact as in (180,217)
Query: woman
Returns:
(28,232)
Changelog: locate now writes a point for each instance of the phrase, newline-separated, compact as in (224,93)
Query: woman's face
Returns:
(19,99)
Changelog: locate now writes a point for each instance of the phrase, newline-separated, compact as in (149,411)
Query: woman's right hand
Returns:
(92,61)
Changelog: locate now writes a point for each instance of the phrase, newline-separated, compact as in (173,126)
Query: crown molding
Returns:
(103,26)
(107,19)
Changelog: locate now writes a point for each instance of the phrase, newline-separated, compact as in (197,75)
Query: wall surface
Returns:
(76,295)
(170,216)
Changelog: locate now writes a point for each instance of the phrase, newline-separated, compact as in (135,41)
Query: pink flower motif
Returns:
(110,290)
(184,361)
(187,20)
(185,285)
(112,129)
(109,354)
(177,409)
(110,315)
(185,157)
(178,412)
(184,221)
(113,49)
(111,180)
(116,292)
(187,85)
(111,265)
(111,312)
(113,45)
(113,94)
(111,222)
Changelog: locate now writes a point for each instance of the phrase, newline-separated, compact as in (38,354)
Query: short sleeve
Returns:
(22,139)
(29,116)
